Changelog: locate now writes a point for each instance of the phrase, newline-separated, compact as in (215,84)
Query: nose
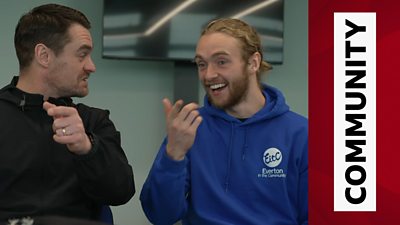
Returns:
(210,73)
(89,66)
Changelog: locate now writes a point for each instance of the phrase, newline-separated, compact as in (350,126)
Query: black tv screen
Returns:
(170,29)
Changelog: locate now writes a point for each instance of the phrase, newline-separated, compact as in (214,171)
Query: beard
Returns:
(63,84)
(72,89)
(67,87)
(237,91)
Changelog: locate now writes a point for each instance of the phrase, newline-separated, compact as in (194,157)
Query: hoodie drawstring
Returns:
(228,169)
(245,146)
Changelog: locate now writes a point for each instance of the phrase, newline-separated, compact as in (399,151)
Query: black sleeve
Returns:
(104,173)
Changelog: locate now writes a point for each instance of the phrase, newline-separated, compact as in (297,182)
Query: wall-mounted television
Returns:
(170,29)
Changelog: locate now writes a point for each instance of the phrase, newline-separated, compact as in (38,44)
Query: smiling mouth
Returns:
(215,87)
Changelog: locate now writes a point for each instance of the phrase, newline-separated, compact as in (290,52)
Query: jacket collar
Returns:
(26,100)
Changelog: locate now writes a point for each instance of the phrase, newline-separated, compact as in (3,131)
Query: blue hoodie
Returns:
(251,172)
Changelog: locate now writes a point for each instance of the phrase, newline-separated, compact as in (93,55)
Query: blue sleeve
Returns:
(163,196)
(303,183)
(304,198)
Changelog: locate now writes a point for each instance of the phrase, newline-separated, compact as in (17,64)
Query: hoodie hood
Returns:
(275,106)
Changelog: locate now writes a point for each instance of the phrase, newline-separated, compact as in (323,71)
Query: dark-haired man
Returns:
(57,157)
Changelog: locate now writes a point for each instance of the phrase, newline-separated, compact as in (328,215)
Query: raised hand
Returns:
(182,123)
(68,128)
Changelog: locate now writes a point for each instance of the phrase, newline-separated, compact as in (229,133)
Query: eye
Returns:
(83,54)
(201,65)
(221,62)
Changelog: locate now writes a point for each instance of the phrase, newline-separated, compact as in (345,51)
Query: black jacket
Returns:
(39,176)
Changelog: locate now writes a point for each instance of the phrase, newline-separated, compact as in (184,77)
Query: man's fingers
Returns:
(192,116)
(65,124)
(61,111)
(167,106)
(64,131)
(172,112)
(64,139)
(185,112)
(196,123)
(47,106)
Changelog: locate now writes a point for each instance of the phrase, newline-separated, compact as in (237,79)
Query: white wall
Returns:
(132,90)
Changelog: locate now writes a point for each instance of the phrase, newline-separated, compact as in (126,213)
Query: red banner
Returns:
(321,112)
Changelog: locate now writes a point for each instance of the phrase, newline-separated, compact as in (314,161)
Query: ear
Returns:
(42,55)
(254,62)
